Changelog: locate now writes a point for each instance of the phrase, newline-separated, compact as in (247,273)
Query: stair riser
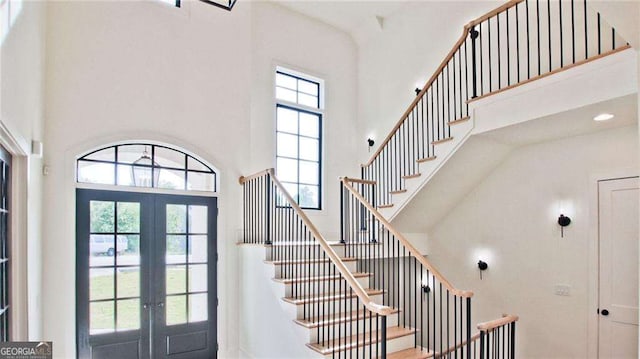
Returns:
(393,345)
(314,269)
(329,307)
(300,252)
(320,287)
(333,330)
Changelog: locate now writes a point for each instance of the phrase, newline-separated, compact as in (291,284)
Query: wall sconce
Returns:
(370,142)
(417,90)
(563,221)
(482,265)
(425,290)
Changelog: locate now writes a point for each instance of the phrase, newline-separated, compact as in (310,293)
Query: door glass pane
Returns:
(101,283)
(128,314)
(99,249)
(176,219)
(102,217)
(101,317)
(198,278)
(128,282)
(198,249)
(198,219)
(176,279)
(131,253)
(176,249)
(176,309)
(128,217)
(198,308)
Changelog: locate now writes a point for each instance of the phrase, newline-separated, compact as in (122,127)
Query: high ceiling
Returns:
(348,16)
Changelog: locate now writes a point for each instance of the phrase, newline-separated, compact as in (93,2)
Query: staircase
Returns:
(512,46)
(369,295)
(372,293)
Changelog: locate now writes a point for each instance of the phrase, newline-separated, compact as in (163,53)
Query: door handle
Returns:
(145,306)
(161,304)
(604,312)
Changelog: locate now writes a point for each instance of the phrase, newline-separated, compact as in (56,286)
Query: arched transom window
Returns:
(146,165)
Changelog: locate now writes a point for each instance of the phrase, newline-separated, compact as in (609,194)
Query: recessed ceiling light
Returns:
(603,117)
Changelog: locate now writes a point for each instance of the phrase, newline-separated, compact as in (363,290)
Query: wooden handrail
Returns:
(335,259)
(244,179)
(412,250)
(435,75)
(490,325)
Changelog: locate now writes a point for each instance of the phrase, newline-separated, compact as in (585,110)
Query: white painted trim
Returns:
(592,261)
(19,148)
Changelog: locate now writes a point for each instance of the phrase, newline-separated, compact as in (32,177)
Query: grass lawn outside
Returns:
(102,314)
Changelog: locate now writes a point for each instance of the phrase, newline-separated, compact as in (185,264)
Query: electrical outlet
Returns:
(563,290)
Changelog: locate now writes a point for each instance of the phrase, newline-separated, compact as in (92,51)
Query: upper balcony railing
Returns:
(519,42)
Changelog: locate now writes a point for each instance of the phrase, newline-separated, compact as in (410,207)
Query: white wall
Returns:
(285,38)
(402,56)
(22,106)
(510,221)
(199,78)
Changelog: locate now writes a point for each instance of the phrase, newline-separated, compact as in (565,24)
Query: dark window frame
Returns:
(5,246)
(298,184)
(154,166)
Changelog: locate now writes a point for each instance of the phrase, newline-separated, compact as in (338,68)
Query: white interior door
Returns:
(618,302)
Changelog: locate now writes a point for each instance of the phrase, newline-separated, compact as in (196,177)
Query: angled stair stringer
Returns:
(527,121)
(428,167)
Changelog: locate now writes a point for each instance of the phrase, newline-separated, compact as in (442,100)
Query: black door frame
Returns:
(152,330)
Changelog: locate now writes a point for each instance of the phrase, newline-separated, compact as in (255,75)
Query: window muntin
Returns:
(298,154)
(297,90)
(146,165)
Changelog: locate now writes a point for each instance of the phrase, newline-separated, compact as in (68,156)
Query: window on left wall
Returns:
(175,3)
(9,12)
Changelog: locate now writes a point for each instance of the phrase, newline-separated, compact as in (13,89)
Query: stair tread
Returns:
(398,191)
(442,140)
(319,278)
(328,297)
(306,261)
(415,175)
(386,205)
(460,120)
(334,319)
(411,353)
(427,159)
(362,339)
